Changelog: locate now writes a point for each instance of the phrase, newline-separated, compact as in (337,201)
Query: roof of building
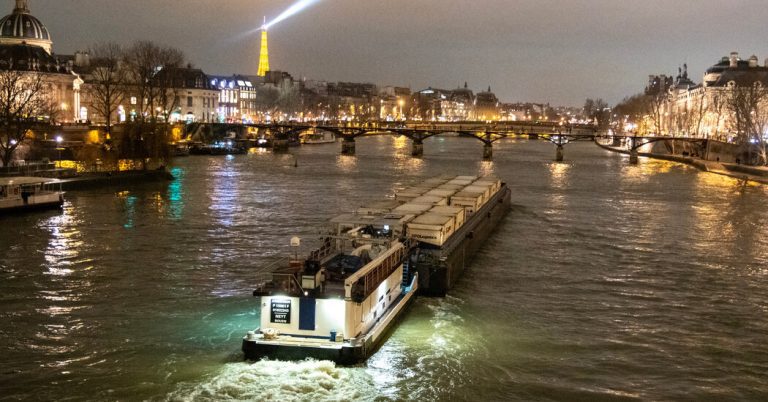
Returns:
(22,25)
(24,57)
(741,74)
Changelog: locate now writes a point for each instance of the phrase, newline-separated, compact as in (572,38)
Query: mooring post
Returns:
(559,153)
(633,159)
(348,147)
(418,149)
(488,152)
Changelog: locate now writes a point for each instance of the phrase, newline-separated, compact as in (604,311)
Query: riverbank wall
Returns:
(722,165)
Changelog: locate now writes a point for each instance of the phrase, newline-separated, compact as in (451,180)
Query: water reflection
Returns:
(64,243)
(128,202)
(487,168)
(175,194)
(225,194)
(346,163)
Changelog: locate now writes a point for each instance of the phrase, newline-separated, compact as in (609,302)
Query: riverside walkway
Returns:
(757,174)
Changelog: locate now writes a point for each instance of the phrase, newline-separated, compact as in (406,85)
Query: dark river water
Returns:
(605,282)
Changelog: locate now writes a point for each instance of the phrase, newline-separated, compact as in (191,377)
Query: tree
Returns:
(598,111)
(267,97)
(656,105)
(748,105)
(169,80)
(107,81)
(24,99)
(633,109)
(716,106)
(152,72)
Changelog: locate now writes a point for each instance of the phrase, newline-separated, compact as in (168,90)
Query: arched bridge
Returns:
(281,135)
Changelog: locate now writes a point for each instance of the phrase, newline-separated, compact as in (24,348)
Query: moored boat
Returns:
(28,193)
(318,137)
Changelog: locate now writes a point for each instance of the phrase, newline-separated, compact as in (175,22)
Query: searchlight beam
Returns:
(296,8)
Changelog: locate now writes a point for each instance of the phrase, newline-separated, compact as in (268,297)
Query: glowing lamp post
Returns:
(58,148)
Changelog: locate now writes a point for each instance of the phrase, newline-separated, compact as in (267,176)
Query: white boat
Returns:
(26,193)
(322,137)
(340,303)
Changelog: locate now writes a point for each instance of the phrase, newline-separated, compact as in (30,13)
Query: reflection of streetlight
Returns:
(58,148)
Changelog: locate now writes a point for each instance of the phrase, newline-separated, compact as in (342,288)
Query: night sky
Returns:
(527,50)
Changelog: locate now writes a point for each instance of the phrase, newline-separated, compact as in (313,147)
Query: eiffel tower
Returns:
(264,55)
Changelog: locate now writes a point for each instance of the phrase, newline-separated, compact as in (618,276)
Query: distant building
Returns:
(701,110)
(459,105)
(26,45)
(394,103)
(197,97)
(353,101)
(486,106)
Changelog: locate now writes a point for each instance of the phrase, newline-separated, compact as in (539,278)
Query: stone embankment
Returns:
(758,174)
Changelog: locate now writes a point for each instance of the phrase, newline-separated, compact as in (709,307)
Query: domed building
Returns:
(26,45)
(21,28)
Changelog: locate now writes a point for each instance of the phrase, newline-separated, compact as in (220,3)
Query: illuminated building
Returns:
(486,106)
(701,110)
(197,97)
(26,45)
(458,105)
(264,54)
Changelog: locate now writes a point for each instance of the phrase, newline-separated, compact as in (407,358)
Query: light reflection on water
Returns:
(606,281)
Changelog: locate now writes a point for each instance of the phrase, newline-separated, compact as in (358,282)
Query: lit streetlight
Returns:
(59,139)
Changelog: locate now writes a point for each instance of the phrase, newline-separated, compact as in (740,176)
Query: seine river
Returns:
(605,282)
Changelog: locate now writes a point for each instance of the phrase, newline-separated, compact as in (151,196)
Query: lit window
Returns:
(133,100)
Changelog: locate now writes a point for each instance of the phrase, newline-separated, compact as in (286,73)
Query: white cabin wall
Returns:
(329,316)
(360,316)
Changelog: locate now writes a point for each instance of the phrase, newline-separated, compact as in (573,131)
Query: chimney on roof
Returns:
(82,59)
(753,61)
(734,59)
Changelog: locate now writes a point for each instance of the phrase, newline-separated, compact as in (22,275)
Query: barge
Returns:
(341,302)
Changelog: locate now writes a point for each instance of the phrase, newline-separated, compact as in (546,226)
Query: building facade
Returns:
(26,46)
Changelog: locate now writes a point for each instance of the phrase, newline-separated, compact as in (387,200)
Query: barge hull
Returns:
(440,268)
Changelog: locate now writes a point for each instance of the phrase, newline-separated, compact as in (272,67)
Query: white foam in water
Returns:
(267,380)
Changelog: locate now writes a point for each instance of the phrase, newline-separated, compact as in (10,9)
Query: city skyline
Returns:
(542,52)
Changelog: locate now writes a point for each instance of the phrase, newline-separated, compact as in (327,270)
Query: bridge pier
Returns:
(418,149)
(633,159)
(348,147)
(487,152)
(559,154)
(279,145)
